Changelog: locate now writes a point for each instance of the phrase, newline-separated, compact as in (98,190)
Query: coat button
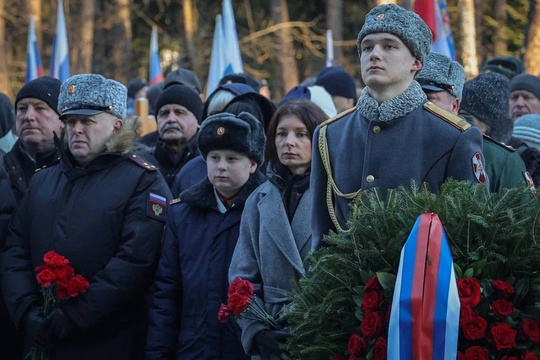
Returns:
(370,178)
(376,129)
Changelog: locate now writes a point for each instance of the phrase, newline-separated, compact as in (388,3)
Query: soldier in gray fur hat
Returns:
(393,136)
(104,209)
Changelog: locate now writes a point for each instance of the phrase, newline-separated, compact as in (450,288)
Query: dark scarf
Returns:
(291,186)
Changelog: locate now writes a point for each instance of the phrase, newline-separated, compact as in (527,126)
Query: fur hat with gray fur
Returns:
(439,73)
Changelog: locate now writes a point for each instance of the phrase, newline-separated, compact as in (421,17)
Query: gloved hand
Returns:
(267,341)
(58,325)
(33,325)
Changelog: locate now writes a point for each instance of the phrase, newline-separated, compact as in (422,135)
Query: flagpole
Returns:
(329,48)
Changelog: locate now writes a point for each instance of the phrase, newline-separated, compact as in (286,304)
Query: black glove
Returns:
(267,341)
(58,325)
(34,326)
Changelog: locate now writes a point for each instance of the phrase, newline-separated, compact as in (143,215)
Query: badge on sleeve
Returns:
(478,168)
(157,207)
(529,181)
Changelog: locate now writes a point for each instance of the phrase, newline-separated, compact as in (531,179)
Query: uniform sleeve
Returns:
(165,299)
(512,172)
(129,273)
(467,160)
(245,265)
(320,219)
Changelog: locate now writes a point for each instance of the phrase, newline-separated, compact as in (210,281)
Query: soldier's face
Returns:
(523,102)
(229,170)
(36,123)
(386,62)
(88,135)
(444,100)
(176,123)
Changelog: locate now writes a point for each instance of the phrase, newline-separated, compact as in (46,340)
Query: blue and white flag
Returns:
(155,74)
(232,48)
(218,62)
(34,68)
(60,55)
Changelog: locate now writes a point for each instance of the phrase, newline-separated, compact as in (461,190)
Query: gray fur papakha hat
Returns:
(439,73)
(91,94)
(396,20)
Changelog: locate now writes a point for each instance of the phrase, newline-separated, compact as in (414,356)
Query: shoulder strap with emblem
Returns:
(175,201)
(454,120)
(504,146)
(337,117)
(142,163)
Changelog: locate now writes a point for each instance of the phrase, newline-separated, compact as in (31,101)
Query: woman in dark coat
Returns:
(275,232)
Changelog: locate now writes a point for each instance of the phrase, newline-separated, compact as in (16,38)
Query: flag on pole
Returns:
(34,68)
(155,74)
(60,53)
(435,14)
(232,47)
(217,59)
(329,48)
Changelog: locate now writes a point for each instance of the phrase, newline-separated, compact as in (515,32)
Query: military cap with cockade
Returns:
(405,24)
(91,94)
(439,73)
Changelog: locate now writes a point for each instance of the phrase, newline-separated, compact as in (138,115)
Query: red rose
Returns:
(475,329)
(528,356)
(530,330)
(241,287)
(372,300)
(502,308)
(371,325)
(357,344)
(52,258)
(502,289)
(476,353)
(465,314)
(469,291)
(503,336)
(45,277)
(223,313)
(379,351)
(238,303)
(373,284)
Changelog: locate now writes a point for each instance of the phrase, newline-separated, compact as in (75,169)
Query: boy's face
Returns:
(386,61)
(229,170)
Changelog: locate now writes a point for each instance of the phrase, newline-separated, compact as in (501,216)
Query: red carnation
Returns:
(224,313)
(372,300)
(241,287)
(465,314)
(62,293)
(502,289)
(380,349)
(502,308)
(503,336)
(53,259)
(64,274)
(45,277)
(527,355)
(476,353)
(77,285)
(238,303)
(357,345)
(371,324)
(469,291)
(373,284)
(530,330)
(475,329)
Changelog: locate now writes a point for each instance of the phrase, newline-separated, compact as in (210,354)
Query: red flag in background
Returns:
(426,10)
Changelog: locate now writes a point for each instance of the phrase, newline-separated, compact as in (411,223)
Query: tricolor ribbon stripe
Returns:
(424,321)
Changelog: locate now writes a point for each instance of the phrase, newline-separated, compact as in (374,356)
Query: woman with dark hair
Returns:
(275,231)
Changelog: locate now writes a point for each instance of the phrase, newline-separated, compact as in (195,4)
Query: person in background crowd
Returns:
(202,230)
(241,78)
(524,95)
(442,80)
(394,136)
(104,209)
(508,66)
(525,141)
(136,88)
(7,125)
(275,232)
(527,129)
(340,85)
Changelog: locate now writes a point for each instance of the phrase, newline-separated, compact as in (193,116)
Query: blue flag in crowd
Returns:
(60,55)
(155,75)
(34,68)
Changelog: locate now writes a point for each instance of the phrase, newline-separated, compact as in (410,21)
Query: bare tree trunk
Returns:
(190,27)
(469,56)
(533,41)
(121,40)
(34,10)
(285,47)
(500,31)
(83,45)
(5,85)
(334,21)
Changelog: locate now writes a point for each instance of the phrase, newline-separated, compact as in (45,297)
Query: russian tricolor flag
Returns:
(60,55)
(34,68)
(435,14)
(218,63)
(232,48)
(424,320)
(155,74)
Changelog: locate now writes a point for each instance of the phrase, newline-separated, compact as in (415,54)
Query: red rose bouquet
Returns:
(243,304)
(58,283)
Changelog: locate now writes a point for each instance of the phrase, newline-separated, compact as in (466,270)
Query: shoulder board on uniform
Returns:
(142,163)
(175,201)
(504,146)
(454,120)
(338,116)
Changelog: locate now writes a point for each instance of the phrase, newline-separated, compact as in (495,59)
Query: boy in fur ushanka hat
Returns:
(202,230)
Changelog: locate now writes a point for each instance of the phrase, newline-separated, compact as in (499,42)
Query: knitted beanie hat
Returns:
(526,82)
(527,128)
(486,98)
(508,66)
(45,88)
(396,20)
(183,77)
(181,95)
(338,82)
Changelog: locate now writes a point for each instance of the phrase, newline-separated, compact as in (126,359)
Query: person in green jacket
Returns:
(443,80)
